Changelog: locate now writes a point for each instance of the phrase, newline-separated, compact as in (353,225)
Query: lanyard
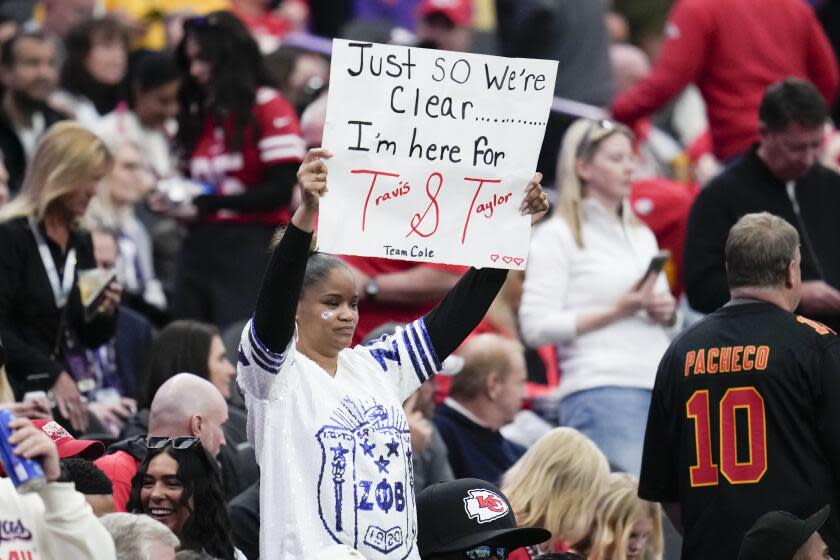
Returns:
(61,290)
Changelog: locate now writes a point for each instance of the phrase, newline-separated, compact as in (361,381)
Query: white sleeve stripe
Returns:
(421,351)
(415,364)
(273,356)
(283,153)
(255,349)
(263,366)
(260,358)
(420,326)
(281,140)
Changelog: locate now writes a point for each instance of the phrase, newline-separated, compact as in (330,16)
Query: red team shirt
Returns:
(275,140)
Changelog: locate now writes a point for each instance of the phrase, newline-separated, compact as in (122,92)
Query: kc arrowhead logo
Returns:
(484,505)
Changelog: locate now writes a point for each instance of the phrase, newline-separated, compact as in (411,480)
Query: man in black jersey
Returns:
(745,414)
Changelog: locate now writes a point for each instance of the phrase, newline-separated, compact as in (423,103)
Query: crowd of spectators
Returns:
(182,404)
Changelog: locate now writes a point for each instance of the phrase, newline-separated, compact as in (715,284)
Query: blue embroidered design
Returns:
(420,325)
(420,350)
(339,465)
(269,361)
(381,353)
(358,492)
(382,463)
(382,540)
(413,357)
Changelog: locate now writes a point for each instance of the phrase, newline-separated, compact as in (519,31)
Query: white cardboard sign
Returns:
(432,151)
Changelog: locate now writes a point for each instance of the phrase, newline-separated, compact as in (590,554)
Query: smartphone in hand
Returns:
(92,285)
(657,263)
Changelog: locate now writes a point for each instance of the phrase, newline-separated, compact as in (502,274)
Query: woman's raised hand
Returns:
(312,177)
(535,202)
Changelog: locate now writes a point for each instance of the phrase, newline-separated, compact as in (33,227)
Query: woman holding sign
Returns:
(326,420)
(593,288)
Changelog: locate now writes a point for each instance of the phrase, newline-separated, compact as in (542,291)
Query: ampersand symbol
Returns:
(417,219)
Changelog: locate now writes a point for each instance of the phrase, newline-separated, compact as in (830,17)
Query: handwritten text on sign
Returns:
(432,153)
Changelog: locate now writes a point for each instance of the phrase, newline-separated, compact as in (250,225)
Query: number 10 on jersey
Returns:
(705,471)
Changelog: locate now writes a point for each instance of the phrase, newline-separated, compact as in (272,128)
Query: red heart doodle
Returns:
(494,258)
(507,259)
(518,261)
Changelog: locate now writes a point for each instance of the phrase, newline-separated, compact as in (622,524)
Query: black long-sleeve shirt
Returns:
(448,324)
(29,317)
(749,186)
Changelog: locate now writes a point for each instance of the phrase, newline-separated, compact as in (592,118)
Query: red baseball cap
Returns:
(459,12)
(67,445)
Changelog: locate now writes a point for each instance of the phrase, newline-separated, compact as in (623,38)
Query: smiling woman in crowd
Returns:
(178,484)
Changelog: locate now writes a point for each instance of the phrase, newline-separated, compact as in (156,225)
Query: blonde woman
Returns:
(113,209)
(626,527)
(42,321)
(586,291)
(556,486)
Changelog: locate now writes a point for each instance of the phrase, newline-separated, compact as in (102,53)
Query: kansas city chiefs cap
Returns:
(461,514)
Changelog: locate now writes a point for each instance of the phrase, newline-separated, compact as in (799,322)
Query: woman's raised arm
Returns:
(274,317)
(467,302)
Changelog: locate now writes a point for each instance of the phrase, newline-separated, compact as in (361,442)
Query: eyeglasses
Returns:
(597,131)
(180,443)
(486,551)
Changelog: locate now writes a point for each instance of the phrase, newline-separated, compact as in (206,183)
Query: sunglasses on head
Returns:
(596,132)
(485,552)
(180,442)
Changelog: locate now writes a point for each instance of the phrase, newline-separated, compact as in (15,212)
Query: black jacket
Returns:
(244,513)
(10,145)
(29,317)
(749,186)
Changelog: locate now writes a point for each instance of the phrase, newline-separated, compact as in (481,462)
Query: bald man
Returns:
(629,64)
(485,395)
(185,405)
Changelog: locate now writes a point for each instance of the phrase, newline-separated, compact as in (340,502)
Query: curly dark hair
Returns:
(237,71)
(182,346)
(208,526)
(87,477)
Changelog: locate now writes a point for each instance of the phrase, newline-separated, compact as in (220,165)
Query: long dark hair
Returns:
(208,526)
(237,71)
(75,77)
(182,346)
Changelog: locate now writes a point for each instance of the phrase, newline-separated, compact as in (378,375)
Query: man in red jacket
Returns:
(732,50)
